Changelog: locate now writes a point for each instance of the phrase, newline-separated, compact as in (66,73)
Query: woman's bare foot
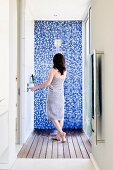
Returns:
(63,136)
(57,137)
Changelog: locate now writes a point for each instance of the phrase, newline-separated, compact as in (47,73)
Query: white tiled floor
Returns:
(53,164)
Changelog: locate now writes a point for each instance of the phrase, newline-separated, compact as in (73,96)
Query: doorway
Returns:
(27,98)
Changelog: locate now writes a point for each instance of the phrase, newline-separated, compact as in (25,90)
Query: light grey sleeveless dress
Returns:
(55,99)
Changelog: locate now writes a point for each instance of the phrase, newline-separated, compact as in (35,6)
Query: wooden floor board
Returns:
(71,148)
(33,147)
(82,148)
(44,148)
(40,145)
(49,148)
(28,146)
(38,148)
(86,142)
(76,147)
(60,150)
(23,149)
(66,149)
(54,149)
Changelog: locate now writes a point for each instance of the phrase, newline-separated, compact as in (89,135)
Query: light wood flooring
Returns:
(40,145)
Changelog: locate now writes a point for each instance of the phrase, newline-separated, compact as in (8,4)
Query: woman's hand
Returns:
(33,88)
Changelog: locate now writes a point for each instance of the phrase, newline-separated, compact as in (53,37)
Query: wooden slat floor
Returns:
(40,145)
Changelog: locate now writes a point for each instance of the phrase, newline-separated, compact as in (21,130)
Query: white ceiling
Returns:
(57,9)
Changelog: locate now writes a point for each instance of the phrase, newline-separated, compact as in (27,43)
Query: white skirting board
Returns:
(94,162)
(7,162)
(7,166)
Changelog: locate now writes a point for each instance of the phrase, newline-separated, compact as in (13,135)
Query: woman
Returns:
(55,97)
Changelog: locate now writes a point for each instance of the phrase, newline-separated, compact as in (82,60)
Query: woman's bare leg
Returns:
(57,125)
(61,122)
(57,137)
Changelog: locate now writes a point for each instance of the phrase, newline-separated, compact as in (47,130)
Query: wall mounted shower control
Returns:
(31,82)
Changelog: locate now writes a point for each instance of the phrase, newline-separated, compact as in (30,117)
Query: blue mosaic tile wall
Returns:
(70,33)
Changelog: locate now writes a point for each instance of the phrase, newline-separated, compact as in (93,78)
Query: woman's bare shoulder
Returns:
(52,71)
(65,72)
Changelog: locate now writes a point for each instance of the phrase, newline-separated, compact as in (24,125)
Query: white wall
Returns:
(4,48)
(8,64)
(87,82)
(4,74)
(102,40)
(8,83)
(26,69)
(12,77)
(29,69)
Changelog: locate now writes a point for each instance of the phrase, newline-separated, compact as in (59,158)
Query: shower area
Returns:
(51,37)
(42,34)
(69,34)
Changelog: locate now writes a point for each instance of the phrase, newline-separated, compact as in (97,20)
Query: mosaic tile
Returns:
(70,33)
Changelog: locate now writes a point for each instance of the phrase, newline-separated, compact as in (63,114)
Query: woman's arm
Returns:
(46,83)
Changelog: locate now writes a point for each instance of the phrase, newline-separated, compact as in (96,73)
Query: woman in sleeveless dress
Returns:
(55,97)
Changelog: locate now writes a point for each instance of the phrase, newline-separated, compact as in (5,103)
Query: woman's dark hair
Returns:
(59,63)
